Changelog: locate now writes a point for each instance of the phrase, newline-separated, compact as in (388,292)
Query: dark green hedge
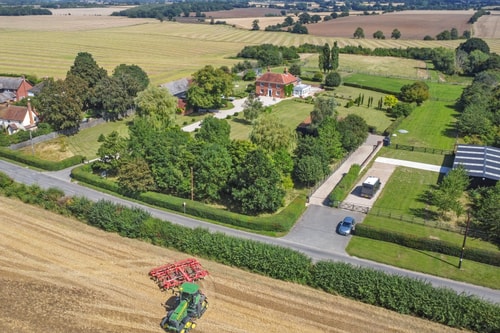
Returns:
(280,222)
(428,244)
(343,188)
(401,294)
(380,90)
(39,163)
(392,127)
(407,296)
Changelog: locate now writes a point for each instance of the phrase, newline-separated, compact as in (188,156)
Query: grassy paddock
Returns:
(425,262)
(430,125)
(405,187)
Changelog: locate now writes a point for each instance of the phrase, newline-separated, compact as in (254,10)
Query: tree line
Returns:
(23,11)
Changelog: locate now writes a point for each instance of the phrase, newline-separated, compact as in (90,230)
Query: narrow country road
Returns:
(311,248)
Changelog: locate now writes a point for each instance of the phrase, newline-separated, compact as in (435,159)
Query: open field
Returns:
(427,262)
(411,24)
(47,45)
(88,280)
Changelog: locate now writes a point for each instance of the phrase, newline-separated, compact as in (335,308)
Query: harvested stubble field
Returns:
(60,275)
(47,45)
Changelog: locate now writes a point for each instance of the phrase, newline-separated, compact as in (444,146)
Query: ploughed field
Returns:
(60,275)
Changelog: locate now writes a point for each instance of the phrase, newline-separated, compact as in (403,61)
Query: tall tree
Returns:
(157,105)
(396,34)
(60,105)
(353,130)
(133,77)
(270,134)
(112,149)
(417,92)
(114,98)
(335,56)
(359,33)
(486,211)
(327,61)
(252,107)
(211,170)
(214,130)
(447,196)
(324,107)
(255,25)
(256,186)
(86,68)
(330,138)
(208,88)
(134,176)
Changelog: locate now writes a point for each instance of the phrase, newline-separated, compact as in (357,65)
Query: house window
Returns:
(277,92)
(262,84)
(278,86)
(262,91)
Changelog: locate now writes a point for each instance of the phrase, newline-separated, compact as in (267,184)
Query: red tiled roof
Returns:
(277,78)
(13,112)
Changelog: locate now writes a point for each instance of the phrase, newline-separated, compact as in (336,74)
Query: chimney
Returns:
(285,71)
(268,68)
(30,113)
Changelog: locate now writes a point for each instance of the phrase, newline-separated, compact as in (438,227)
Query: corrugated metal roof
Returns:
(479,161)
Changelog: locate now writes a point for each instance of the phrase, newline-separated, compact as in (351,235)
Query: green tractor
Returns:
(191,305)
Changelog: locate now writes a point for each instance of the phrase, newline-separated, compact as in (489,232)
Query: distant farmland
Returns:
(47,46)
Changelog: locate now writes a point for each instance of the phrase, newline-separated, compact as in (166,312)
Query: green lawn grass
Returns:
(404,188)
(426,262)
(85,141)
(290,112)
(430,125)
(415,156)
(372,81)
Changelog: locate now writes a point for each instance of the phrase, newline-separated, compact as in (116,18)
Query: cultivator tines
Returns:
(172,275)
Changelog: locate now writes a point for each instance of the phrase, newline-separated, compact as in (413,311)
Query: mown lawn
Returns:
(371,81)
(290,112)
(430,125)
(426,262)
(403,191)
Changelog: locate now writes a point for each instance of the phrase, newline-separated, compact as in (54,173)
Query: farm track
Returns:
(60,275)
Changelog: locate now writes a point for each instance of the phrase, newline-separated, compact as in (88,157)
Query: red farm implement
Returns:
(173,275)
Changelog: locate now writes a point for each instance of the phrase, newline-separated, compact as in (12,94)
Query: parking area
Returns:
(317,227)
(380,170)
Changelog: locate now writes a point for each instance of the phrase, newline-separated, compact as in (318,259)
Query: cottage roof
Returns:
(10,83)
(37,88)
(277,78)
(479,161)
(177,87)
(13,112)
(7,96)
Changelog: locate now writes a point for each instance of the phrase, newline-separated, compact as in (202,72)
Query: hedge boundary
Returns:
(397,293)
(343,188)
(427,244)
(39,163)
(280,222)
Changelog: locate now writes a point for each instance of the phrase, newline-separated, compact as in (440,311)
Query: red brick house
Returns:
(275,84)
(13,88)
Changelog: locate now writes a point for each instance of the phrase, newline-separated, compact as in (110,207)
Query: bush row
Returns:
(39,163)
(281,222)
(427,244)
(380,90)
(392,127)
(343,188)
(397,293)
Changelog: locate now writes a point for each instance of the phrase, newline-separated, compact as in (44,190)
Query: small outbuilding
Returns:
(482,163)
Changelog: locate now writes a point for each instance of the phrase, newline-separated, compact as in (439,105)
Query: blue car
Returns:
(346,226)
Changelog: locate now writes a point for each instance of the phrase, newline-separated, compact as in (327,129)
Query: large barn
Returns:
(481,162)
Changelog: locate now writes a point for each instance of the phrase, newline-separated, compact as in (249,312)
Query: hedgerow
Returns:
(343,188)
(401,294)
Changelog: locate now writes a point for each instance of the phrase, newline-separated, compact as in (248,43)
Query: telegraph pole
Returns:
(192,185)
(465,239)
